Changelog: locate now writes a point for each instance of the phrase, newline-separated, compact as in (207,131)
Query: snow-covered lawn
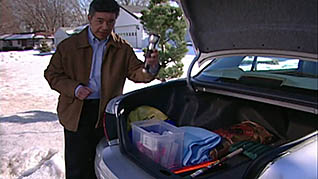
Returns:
(31,137)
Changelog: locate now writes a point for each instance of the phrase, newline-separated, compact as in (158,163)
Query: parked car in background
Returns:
(258,64)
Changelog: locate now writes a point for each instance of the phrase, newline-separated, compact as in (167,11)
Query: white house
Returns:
(61,34)
(128,26)
(64,32)
(3,43)
(24,41)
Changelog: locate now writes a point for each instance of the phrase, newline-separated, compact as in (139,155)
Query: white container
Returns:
(160,141)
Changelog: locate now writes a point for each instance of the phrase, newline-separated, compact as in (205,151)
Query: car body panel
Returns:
(298,162)
(110,163)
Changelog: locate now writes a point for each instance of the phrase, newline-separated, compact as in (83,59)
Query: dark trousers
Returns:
(80,146)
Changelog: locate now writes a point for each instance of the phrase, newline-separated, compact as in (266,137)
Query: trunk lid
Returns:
(287,27)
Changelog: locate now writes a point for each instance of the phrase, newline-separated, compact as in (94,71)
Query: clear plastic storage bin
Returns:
(160,141)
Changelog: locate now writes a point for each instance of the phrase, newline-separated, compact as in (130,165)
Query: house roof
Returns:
(23,36)
(135,11)
(2,37)
(19,36)
(73,30)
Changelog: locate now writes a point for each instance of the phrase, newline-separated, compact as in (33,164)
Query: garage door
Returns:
(128,33)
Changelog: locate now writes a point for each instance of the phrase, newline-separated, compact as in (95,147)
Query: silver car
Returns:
(255,61)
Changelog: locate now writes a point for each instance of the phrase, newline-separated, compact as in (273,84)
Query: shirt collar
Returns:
(92,39)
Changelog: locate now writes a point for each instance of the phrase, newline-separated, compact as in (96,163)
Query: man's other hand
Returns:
(83,92)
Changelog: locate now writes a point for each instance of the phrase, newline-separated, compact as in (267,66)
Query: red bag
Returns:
(246,131)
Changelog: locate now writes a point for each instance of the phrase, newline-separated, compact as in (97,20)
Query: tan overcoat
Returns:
(70,66)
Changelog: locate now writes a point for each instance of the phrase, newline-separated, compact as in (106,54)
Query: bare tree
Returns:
(84,4)
(78,12)
(8,23)
(48,15)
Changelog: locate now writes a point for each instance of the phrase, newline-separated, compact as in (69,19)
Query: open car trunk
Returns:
(210,111)
(224,96)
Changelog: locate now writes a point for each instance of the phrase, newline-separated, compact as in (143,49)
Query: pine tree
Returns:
(167,21)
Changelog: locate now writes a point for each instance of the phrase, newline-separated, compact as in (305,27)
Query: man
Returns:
(88,69)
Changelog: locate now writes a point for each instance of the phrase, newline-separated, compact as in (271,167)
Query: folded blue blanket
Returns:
(198,142)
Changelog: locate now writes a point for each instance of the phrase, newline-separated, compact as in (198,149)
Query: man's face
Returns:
(102,24)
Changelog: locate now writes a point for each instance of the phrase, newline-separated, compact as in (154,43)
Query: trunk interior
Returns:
(212,112)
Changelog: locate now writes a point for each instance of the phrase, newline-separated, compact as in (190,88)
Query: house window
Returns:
(9,43)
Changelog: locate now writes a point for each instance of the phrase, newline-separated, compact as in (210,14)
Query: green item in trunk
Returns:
(251,149)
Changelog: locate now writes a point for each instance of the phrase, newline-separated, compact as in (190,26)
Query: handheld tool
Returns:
(153,40)
(230,155)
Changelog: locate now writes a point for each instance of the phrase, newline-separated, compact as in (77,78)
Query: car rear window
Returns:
(292,72)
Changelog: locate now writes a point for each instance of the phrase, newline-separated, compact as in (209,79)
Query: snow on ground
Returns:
(31,137)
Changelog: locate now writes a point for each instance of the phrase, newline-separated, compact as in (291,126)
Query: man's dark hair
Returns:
(103,6)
